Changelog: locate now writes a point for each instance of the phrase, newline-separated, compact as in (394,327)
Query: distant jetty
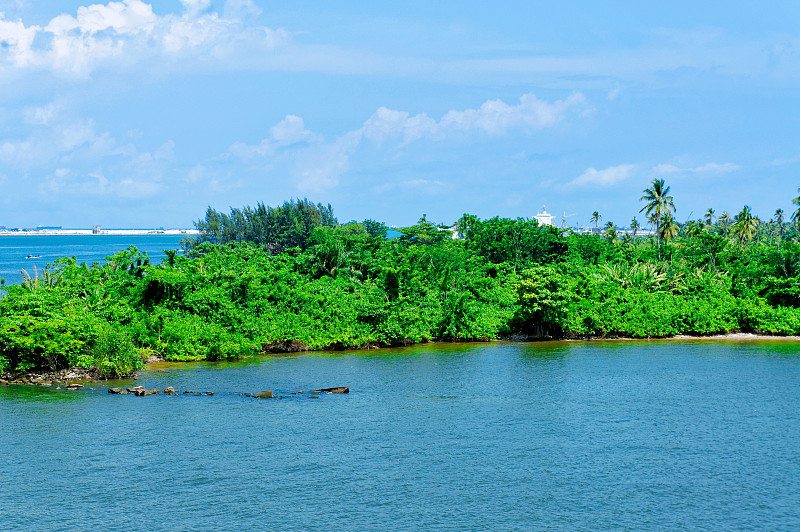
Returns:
(97,231)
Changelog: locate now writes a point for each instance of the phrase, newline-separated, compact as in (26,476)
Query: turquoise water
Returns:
(86,248)
(548,436)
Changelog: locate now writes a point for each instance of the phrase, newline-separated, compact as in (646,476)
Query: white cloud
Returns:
(416,186)
(71,136)
(128,17)
(708,168)
(603,178)
(241,9)
(50,141)
(493,117)
(289,131)
(319,163)
(318,168)
(387,123)
(40,115)
(17,152)
(193,7)
(134,189)
(17,41)
(166,152)
(118,34)
(59,145)
(101,186)
(496,117)
(196,174)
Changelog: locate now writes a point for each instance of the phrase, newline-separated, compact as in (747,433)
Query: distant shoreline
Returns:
(102,232)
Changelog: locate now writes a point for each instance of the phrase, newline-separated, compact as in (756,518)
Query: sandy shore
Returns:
(734,336)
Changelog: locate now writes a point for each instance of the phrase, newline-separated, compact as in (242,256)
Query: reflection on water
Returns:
(501,436)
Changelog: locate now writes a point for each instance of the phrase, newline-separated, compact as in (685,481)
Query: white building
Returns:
(544,217)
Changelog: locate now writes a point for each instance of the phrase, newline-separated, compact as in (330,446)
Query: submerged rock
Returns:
(338,389)
(264,395)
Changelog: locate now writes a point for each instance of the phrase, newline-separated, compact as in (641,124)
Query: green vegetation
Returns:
(262,278)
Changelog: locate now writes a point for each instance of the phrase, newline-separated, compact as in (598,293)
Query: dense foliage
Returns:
(274,229)
(338,286)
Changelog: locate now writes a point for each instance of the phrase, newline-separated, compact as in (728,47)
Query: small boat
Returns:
(33,257)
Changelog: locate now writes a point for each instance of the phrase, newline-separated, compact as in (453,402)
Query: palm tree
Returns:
(610,232)
(693,228)
(668,227)
(724,219)
(595,218)
(659,202)
(745,225)
(709,217)
(634,226)
(779,221)
(796,213)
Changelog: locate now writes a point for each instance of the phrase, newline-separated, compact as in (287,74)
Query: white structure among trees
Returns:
(544,217)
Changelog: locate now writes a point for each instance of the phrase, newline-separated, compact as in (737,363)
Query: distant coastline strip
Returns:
(118,232)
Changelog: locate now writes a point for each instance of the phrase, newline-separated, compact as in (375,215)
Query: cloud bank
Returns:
(319,162)
(708,168)
(606,177)
(120,33)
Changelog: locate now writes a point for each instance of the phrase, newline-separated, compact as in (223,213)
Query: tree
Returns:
(275,229)
(779,221)
(709,216)
(668,227)
(634,226)
(659,202)
(745,225)
(796,213)
(375,229)
(610,233)
(693,228)
(595,218)
(724,220)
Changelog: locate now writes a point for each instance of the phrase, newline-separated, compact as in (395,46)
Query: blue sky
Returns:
(141,114)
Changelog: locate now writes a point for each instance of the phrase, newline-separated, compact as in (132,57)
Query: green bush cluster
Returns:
(347,286)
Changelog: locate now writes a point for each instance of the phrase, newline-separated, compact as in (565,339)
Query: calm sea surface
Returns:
(661,435)
(86,248)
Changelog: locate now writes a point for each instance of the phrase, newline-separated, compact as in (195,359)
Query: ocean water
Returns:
(15,249)
(661,435)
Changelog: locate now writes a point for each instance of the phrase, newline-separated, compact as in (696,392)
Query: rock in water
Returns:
(169,391)
(152,391)
(264,395)
(338,389)
(115,390)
